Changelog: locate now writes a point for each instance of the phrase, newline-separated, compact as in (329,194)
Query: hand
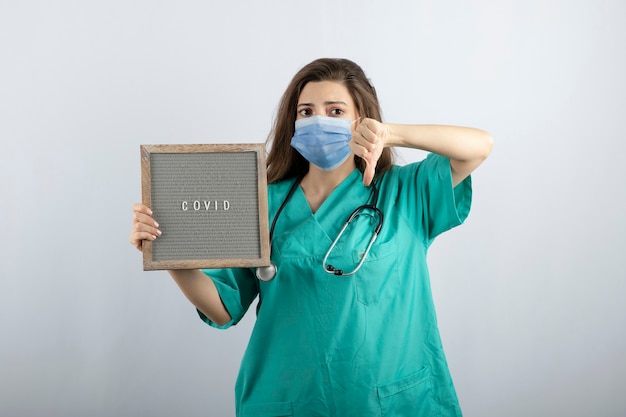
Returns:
(369,138)
(144,226)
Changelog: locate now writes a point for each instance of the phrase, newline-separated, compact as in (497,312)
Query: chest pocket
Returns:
(378,279)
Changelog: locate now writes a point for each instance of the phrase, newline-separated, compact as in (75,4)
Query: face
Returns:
(326,98)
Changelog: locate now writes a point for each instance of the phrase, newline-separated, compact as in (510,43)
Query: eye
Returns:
(304,112)
(337,112)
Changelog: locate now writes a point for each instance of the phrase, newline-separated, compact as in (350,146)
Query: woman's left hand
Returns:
(369,138)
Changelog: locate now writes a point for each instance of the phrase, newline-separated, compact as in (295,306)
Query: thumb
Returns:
(368,174)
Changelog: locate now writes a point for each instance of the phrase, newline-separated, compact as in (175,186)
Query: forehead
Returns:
(322,91)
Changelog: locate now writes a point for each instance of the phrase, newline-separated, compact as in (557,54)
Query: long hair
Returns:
(283,160)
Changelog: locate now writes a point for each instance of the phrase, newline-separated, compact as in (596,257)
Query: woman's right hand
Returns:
(144,226)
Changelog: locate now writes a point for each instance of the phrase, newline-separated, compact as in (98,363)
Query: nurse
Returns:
(343,344)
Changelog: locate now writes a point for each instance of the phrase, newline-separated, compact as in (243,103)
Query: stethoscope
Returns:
(267,273)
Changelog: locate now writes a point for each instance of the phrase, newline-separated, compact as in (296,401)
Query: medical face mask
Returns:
(323,141)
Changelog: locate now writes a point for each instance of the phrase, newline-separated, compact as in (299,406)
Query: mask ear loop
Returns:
(358,119)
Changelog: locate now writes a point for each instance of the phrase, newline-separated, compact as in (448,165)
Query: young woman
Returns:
(345,323)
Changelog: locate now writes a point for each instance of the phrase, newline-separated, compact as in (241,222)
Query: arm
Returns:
(466,147)
(200,290)
(195,285)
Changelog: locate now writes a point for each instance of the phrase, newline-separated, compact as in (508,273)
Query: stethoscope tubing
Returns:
(269,272)
(339,272)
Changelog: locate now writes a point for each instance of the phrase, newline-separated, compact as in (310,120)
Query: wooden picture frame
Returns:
(211,205)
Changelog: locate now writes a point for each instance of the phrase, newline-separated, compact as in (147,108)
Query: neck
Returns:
(318,185)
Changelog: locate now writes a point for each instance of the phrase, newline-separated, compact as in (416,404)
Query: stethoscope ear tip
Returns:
(331,269)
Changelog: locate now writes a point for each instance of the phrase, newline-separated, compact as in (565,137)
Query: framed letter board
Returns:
(211,204)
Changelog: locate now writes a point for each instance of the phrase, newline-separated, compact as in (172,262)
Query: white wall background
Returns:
(530,291)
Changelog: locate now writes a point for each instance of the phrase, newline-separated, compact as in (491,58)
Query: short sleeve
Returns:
(237,288)
(430,201)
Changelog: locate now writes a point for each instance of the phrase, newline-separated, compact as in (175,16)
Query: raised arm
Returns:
(466,147)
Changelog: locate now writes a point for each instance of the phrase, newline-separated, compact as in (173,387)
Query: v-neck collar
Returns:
(336,208)
(337,194)
(316,231)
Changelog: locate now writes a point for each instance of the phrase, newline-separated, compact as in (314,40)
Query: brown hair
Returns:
(283,160)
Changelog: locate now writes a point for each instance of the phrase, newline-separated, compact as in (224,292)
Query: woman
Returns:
(346,324)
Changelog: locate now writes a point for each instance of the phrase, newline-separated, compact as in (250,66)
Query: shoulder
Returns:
(276,192)
(280,187)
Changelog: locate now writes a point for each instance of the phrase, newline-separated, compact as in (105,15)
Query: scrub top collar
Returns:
(332,214)
(338,196)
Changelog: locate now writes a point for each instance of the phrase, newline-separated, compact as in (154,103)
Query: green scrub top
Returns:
(360,345)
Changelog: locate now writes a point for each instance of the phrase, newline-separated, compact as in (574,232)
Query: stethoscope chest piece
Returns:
(266,273)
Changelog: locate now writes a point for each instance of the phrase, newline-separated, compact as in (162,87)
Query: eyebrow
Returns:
(326,103)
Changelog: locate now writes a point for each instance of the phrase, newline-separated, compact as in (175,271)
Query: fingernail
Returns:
(156,224)
(159,232)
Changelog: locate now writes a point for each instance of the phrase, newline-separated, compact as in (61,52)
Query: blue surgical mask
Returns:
(323,141)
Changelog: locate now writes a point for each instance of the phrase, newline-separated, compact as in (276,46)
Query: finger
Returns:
(143,213)
(142,208)
(360,130)
(374,132)
(368,174)
(137,237)
(145,219)
(363,133)
(369,159)
(144,226)
(358,149)
(140,227)
(137,242)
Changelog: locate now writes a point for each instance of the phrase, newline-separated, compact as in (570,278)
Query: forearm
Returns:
(466,147)
(200,290)
(458,143)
